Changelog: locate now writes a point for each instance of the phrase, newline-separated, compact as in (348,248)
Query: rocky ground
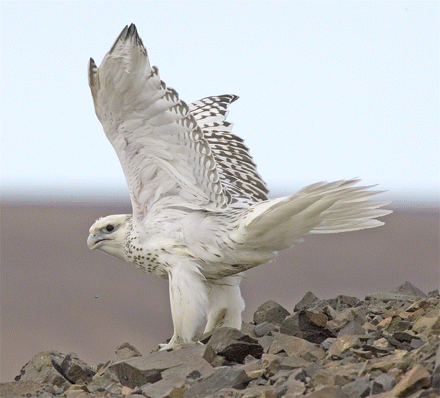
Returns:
(385,346)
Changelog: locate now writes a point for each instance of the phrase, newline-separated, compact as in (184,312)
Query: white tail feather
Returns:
(316,209)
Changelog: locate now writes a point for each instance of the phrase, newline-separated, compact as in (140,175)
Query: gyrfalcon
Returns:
(201,212)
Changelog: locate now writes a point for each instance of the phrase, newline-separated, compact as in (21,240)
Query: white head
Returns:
(108,234)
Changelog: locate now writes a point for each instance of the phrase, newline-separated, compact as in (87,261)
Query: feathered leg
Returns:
(225,303)
(188,298)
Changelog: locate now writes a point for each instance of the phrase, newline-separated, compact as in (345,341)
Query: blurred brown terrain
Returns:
(57,294)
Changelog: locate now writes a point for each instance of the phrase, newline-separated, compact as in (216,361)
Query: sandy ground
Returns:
(56,294)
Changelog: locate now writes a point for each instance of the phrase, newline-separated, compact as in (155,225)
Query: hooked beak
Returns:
(94,241)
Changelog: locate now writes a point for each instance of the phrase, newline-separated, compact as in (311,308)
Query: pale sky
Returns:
(328,90)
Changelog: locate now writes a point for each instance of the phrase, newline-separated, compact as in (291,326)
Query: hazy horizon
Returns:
(108,194)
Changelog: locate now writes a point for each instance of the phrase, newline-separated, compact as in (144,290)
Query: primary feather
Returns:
(201,212)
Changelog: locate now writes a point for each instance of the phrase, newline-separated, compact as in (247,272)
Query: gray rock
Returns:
(271,312)
(74,370)
(404,335)
(359,388)
(306,302)
(410,290)
(352,328)
(307,325)
(138,371)
(263,329)
(295,346)
(169,387)
(221,378)
(233,345)
(416,343)
(382,383)
(293,362)
(266,342)
(289,387)
(127,351)
(327,343)
(40,369)
(388,296)
(307,372)
(343,301)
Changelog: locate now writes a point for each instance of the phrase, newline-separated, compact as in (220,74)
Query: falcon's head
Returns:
(108,234)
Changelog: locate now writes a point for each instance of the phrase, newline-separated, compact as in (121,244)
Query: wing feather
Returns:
(161,147)
(237,170)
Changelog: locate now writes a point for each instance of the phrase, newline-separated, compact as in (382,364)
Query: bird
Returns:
(202,215)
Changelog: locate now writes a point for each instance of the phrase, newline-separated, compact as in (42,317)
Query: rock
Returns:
(415,379)
(404,335)
(382,383)
(127,351)
(295,346)
(248,328)
(431,321)
(138,371)
(274,363)
(352,328)
(342,302)
(263,329)
(342,344)
(400,359)
(74,370)
(233,345)
(41,370)
(416,343)
(388,296)
(327,343)
(271,312)
(306,302)
(307,325)
(358,388)
(221,378)
(293,362)
(266,342)
(410,290)
(289,387)
(169,387)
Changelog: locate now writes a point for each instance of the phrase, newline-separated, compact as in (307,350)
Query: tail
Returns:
(321,208)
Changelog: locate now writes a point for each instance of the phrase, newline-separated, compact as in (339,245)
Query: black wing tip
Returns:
(234,97)
(129,32)
(229,98)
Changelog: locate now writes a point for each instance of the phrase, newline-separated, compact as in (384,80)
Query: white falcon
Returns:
(201,212)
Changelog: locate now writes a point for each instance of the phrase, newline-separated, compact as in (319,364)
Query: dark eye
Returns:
(109,228)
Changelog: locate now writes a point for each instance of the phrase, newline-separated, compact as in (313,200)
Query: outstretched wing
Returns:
(162,149)
(237,171)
